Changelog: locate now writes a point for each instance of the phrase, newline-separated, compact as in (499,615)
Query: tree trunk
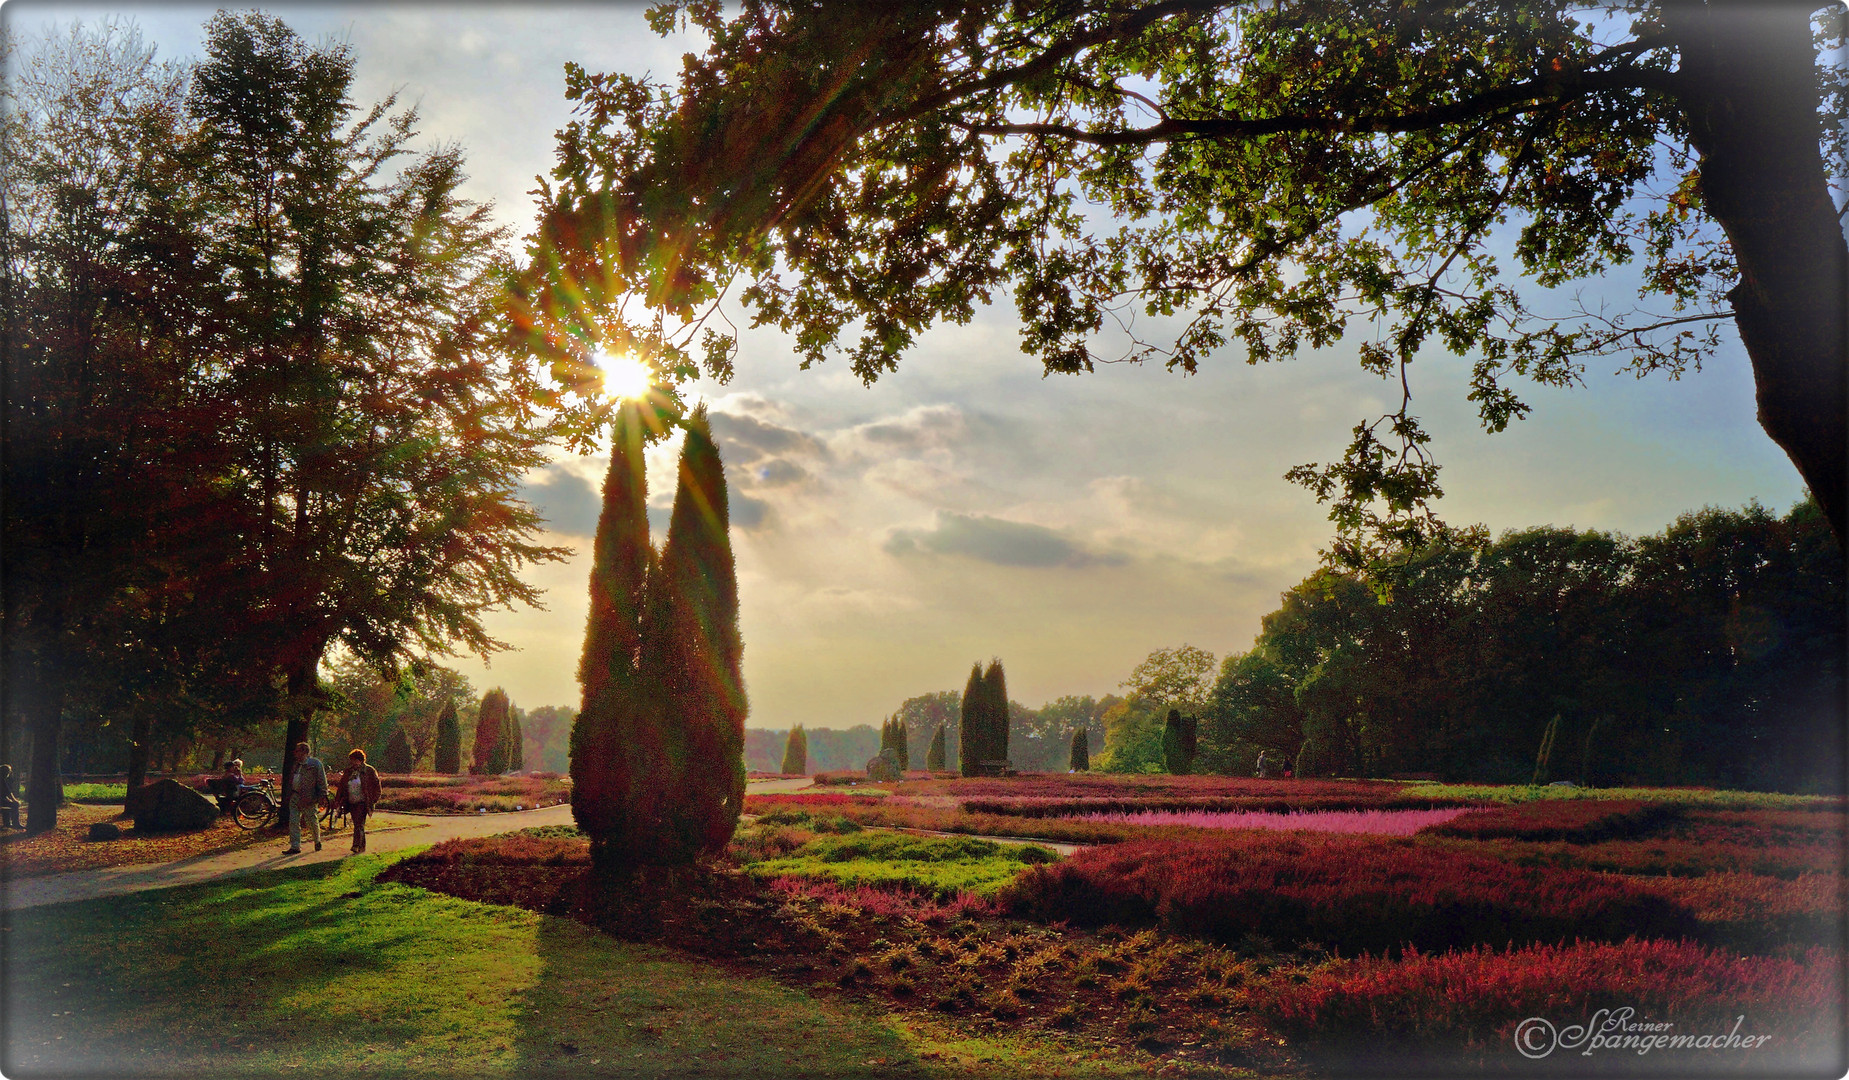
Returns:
(45,787)
(302,684)
(1748,85)
(141,731)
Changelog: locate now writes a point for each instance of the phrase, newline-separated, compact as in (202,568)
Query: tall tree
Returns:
(973,723)
(698,638)
(795,753)
(377,430)
(896,170)
(398,756)
(446,758)
(104,461)
(935,754)
(489,755)
(516,741)
(617,763)
(1080,759)
(995,689)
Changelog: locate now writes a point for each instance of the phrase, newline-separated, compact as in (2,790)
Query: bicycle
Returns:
(254,805)
(333,816)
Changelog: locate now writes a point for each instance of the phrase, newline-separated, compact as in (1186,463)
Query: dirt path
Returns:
(385,831)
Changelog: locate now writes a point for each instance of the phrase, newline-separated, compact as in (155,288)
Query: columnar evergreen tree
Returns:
(971,746)
(892,737)
(490,754)
(1180,737)
(447,757)
(995,685)
(1081,751)
(934,757)
(985,718)
(796,753)
(515,742)
(616,762)
(658,749)
(704,652)
(398,757)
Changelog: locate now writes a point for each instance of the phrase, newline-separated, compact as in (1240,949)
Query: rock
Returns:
(884,767)
(1563,783)
(170,806)
(105,830)
(995,767)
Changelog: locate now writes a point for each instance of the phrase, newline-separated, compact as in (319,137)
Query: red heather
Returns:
(1352,893)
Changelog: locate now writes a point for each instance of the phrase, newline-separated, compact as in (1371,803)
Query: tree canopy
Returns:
(1270,176)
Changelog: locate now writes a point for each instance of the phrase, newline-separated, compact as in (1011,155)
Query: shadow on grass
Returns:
(603,1006)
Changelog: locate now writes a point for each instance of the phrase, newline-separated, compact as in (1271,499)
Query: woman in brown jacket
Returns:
(357,791)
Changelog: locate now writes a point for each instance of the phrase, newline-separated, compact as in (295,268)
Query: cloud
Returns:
(566,500)
(745,439)
(745,511)
(778,472)
(993,540)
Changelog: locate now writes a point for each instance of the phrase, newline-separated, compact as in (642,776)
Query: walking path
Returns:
(385,831)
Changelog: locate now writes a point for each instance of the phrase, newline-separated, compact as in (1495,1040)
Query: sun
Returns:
(624,375)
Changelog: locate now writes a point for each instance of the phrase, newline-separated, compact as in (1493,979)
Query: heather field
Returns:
(1213,925)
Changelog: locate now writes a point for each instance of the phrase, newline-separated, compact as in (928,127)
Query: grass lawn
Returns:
(943,866)
(321,971)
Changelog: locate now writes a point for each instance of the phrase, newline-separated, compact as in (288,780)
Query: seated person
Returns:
(232,782)
(9,798)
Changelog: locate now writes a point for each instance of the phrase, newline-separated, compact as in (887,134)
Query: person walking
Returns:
(357,792)
(308,791)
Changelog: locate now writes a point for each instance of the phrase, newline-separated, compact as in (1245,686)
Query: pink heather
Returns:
(1377,822)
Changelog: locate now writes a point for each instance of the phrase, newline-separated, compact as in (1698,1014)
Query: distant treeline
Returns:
(1710,654)
(1039,740)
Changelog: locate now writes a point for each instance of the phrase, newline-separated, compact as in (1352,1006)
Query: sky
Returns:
(968,507)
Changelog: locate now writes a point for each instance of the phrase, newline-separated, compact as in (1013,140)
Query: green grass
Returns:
(96,793)
(1520,793)
(320,971)
(942,865)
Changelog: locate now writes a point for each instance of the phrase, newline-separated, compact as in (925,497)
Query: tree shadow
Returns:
(604,1006)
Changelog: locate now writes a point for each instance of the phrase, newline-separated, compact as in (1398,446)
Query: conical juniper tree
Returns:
(702,653)
(973,744)
(934,756)
(901,745)
(1180,738)
(796,753)
(516,753)
(1081,752)
(610,739)
(489,757)
(398,751)
(447,757)
(995,686)
(658,763)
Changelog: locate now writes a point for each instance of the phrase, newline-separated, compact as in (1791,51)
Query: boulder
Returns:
(170,806)
(105,830)
(885,767)
(995,767)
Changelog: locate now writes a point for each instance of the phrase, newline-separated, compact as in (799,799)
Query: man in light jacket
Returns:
(308,791)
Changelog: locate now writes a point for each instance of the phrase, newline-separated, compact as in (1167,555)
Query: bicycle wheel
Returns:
(253,809)
(332,819)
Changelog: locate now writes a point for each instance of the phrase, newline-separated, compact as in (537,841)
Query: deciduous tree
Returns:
(1265,174)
